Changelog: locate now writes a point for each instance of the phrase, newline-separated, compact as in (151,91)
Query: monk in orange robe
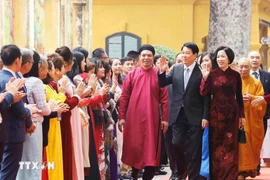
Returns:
(139,113)
(249,153)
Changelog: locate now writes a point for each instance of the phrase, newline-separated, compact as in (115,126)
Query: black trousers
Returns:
(148,174)
(1,152)
(187,140)
(170,152)
(163,153)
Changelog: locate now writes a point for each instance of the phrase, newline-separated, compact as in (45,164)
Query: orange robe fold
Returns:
(249,153)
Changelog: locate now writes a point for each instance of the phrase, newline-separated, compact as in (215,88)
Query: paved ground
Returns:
(265,175)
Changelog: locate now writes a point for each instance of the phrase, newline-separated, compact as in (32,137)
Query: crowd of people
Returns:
(66,115)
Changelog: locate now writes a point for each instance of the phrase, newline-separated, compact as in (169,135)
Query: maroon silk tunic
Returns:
(226,109)
(140,104)
(267,98)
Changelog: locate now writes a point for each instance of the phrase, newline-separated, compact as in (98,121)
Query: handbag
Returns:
(242,135)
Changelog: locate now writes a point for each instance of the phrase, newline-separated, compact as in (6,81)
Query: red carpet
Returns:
(265,175)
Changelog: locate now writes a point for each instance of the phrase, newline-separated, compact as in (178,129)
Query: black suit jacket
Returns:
(196,106)
(265,80)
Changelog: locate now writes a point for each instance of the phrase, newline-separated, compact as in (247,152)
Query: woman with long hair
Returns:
(70,125)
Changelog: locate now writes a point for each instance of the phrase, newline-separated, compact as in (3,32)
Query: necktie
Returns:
(186,78)
(255,74)
(17,75)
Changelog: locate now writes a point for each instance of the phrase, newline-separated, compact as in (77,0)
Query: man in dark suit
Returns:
(16,119)
(7,98)
(189,110)
(264,77)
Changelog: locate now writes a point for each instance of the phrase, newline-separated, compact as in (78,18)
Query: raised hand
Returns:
(79,89)
(52,103)
(163,64)
(92,81)
(64,85)
(14,85)
(63,107)
(205,71)
(114,80)
(116,97)
(33,108)
(114,83)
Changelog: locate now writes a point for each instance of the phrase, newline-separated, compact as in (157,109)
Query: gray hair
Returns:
(244,59)
(27,55)
(43,59)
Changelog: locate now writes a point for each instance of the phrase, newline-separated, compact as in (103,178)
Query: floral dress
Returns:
(226,108)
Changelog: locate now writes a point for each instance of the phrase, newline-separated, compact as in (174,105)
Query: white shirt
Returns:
(191,67)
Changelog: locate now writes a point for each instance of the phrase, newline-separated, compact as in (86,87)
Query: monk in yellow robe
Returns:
(249,153)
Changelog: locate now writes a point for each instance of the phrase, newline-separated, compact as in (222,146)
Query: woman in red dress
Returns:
(226,110)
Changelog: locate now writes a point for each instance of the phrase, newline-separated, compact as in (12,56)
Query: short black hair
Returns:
(192,46)
(126,58)
(229,52)
(134,54)
(98,53)
(9,53)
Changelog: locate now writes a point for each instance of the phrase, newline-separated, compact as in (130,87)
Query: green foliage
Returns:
(165,51)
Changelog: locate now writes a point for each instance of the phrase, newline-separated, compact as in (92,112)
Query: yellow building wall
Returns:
(168,24)
(164,22)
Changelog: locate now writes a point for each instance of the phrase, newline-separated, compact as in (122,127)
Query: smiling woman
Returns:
(226,111)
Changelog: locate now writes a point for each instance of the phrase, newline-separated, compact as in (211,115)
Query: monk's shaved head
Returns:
(243,60)
(244,66)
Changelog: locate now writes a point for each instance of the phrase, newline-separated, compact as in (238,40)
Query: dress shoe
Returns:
(160,172)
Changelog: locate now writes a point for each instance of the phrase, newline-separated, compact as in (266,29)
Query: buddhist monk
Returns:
(249,153)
